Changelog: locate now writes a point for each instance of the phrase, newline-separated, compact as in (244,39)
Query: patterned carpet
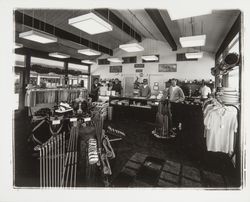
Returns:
(146,171)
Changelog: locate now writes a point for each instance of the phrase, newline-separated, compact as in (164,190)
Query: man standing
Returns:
(174,92)
(175,95)
(95,90)
(145,90)
(117,87)
(205,91)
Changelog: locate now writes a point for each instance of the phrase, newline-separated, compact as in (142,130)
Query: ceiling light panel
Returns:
(88,61)
(177,14)
(18,45)
(194,55)
(132,47)
(193,41)
(58,55)
(89,52)
(39,37)
(115,60)
(90,23)
(149,57)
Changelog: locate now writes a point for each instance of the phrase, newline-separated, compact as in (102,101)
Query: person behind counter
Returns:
(117,87)
(95,90)
(110,85)
(145,90)
(205,91)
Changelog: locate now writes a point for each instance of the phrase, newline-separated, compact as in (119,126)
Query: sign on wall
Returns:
(167,68)
(115,69)
(139,65)
(138,70)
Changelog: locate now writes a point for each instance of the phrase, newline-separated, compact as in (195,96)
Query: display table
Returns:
(137,108)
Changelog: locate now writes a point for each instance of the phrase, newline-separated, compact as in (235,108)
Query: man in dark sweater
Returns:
(117,87)
(145,90)
(95,90)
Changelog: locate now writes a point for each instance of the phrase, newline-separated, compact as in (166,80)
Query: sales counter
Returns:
(138,108)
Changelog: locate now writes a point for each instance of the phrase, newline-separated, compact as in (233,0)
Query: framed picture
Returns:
(115,69)
(167,68)
(139,65)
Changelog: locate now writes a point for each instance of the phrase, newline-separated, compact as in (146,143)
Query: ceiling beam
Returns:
(50,29)
(45,55)
(156,17)
(113,18)
(235,29)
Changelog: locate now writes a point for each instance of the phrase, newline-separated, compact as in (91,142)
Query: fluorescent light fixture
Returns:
(18,45)
(193,41)
(194,55)
(176,14)
(90,23)
(58,55)
(89,52)
(132,47)
(116,60)
(149,57)
(38,37)
(88,61)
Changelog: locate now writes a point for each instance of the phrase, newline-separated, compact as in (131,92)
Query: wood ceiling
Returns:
(136,25)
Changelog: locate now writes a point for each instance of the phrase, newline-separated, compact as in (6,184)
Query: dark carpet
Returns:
(172,158)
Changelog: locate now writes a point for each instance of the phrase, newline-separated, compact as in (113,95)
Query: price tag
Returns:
(55,122)
(87,119)
(73,119)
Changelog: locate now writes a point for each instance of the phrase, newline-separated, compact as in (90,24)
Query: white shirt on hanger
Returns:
(221,125)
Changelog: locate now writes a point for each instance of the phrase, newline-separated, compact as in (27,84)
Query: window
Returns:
(233,78)
(46,62)
(19,60)
(82,68)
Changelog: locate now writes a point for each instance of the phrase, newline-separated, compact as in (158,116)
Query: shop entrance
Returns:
(18,90)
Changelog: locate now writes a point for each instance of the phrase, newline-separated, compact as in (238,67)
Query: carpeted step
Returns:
(191,173)
(169,177)
(189,183)
(213,179)
(172,167)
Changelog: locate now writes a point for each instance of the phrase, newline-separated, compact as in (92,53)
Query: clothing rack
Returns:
(236,134)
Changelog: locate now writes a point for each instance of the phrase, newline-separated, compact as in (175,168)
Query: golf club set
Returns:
(58,155)
(58,160)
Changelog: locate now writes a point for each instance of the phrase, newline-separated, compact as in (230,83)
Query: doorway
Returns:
(18,89)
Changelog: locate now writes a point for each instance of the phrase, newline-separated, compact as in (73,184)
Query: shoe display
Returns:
(64,107)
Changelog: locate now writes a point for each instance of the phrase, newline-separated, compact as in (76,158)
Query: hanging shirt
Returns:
(221,125)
